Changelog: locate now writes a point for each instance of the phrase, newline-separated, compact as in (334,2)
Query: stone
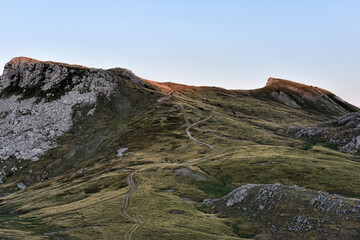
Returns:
(21,186)
(120,152)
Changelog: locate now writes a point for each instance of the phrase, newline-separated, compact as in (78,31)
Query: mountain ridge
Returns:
(112,154)
(27,60)
(280,87)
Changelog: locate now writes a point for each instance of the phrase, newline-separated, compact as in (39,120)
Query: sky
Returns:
(235,44)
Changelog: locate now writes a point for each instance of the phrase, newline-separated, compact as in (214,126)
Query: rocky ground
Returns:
(308,97)
(343,133)
(291,209)
(39,101)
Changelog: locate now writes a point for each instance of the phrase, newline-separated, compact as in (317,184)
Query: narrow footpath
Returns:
(136,222)
(130,178)
(187,131)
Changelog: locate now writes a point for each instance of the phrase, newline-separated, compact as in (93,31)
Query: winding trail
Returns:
(189,126)
(166,98)
(187,131)
(129,179)
(136,222)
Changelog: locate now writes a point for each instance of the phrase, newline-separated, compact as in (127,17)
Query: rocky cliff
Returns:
(343,133)
(291,211)
(39,101)
(302,96)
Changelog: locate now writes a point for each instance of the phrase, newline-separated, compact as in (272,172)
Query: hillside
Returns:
(302,96)
(341,134)
(103,154)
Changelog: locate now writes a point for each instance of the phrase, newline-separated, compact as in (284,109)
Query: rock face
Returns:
(284,98)
(51,80)
(129,75)
(290,209)
(307,97)
(44,107)
(40,100)
(343,132)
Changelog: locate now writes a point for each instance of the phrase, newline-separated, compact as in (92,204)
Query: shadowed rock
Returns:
(291,209)
(343,132)
(298,95)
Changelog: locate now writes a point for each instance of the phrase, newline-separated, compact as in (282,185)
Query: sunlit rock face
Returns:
(301,96)
(37,102)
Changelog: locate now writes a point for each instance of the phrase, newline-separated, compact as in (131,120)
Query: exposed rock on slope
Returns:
(128,75)
(41,100)
(87,136)
(287,210)
(298,95)
(51,80)
(343,132)
(44,107)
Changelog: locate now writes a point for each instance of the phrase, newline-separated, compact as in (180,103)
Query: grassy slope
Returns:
(86,205)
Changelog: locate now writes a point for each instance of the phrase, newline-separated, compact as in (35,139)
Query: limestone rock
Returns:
(343,132)
(298,95)
(287,208)
(37,101)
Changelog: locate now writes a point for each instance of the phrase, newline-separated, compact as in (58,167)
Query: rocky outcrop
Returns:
(41,100)
(298,95)
(343,132)
(47,105)
(353,146)
(38,100)
(291,209)
(284,98)
(129,75)
(49,80)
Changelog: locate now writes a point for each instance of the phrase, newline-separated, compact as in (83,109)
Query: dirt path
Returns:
(187,131)
(129,179)
(189,126)
(136,222)
(166,98)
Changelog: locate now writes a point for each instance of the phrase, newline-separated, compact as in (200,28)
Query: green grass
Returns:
(215,189)
(25,226)
(245,129)
(316,169)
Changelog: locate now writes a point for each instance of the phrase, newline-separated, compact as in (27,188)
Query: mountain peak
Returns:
(299,87)
(272,81)
(26,60)
(30,77)
(300,95)
(45,99)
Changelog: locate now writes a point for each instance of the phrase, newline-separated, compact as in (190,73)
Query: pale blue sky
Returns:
(228,43)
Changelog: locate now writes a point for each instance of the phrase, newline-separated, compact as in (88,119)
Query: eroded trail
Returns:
(189,126)
(129,179)
(136,222)
(187,131)
(166,98)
